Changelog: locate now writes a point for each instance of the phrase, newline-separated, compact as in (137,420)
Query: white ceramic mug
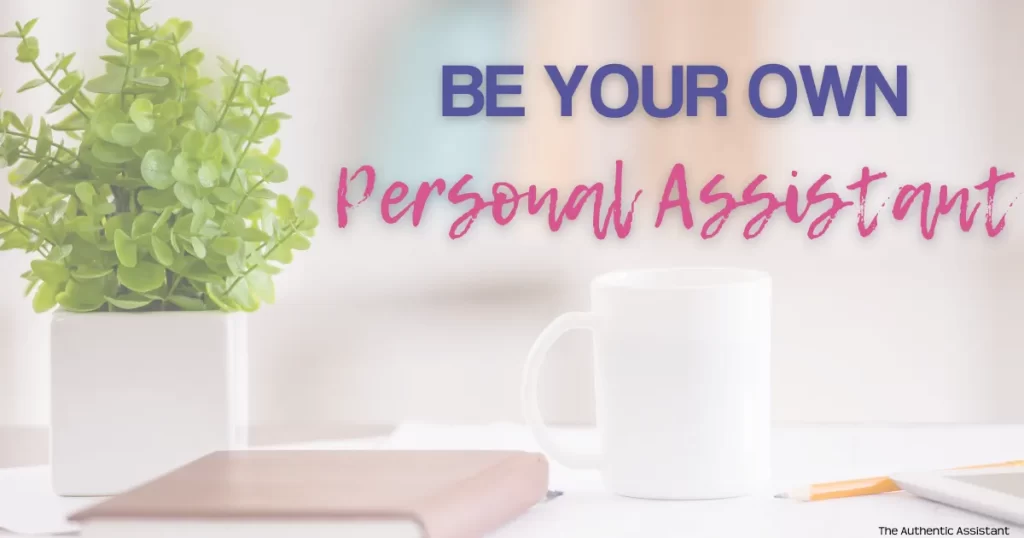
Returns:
(682,382)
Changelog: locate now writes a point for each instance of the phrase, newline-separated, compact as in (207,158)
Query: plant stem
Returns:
(252,268)
(248,142)
(177,280)
(248,192)
(56,88)
(57,145)
(80,95)
(24,228)
(177,50)
(34,158)
(170,291)
(128,68)
(231,97)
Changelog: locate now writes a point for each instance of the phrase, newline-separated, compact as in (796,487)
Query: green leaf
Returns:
(257,164)
(284,208)
(12,119)
(88,273)
(127,251)
(261,285)
(141,112)
(297,242)
(143,277)
(200,213)
(104,120)
(235,265)
(190,304)
(232,224)
(126,134)
(249,208)
(27,28)
(162,220)
(156,169)
(157,82)
(275,148)
(74,122)
(161,142)
(242,296)
(28,50)
(204,122)
(193,142)
(131,301)
(111,154)
(282,255)
(143,224)
(303,199)
(157,199)
(111,83)
(82,296)
(34,83)
(115,59)
(65,61)
(186,194)
(226,195)
(62,252)
(226,246)
(277,174)
(263,194)
(11,33)
(218,295)
(71,85)
(85,192)
(182,30)
(118,29)
(277,86)
(184,171)
(182,225)
(45,141)
(198,248)
(239,125)
(162,252)
(51,272)
(169,111)
(193,57)
(269,127)
(227,146)
(254,235)
(45,298)
(209,173)
(145,58)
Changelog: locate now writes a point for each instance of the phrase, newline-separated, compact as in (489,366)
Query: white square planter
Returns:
(135,395)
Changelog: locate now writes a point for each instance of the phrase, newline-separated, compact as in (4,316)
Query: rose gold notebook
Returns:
(336,494)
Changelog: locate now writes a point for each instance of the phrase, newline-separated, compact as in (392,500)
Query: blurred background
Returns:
(381,324)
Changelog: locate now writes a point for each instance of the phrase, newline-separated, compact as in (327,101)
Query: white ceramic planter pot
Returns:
(135,395)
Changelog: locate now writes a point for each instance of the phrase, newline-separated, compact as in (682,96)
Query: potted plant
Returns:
(145,202)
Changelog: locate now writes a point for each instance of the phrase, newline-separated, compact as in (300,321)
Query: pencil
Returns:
(864,486)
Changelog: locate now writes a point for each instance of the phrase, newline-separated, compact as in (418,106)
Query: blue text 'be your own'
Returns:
(468,90)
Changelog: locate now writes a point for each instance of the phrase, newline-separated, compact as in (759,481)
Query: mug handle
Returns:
(531,401)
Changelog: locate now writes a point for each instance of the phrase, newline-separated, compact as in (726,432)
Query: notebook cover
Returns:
(451,494)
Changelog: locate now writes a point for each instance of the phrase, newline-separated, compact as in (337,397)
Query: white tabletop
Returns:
(801,454)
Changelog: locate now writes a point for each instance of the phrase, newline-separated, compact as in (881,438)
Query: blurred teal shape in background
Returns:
(412,142)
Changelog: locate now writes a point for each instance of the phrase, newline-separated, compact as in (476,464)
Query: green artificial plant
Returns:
(149,191)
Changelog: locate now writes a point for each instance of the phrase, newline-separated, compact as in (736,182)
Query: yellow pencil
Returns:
(864,486)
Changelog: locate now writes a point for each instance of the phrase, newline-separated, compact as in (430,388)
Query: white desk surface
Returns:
(801,455)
